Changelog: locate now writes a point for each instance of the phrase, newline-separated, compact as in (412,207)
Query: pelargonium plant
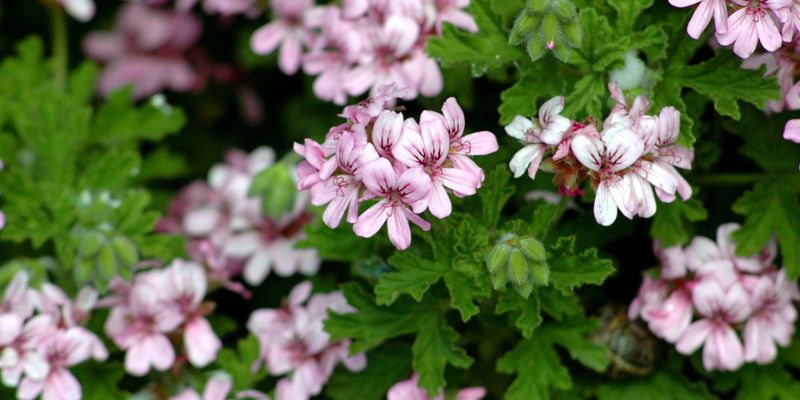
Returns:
(310,199)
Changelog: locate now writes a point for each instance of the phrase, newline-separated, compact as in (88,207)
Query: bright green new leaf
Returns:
(434,348)
(414,276)
(569,269)
(537,367)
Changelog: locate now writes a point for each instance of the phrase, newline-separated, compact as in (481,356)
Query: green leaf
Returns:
(110,170)
(434,348)
(100,381)
(239,363)
(573,336)
(672,224)
(602,47)
(414,276)
(771,208)
(508,9)
(726,83)
(386,366)
(522,97)
(762,142)
(661,385)
(588,96)
(82,82)
(558,305)
(569,269)
(485,50)
(467,282)
(537,367)
(494,195)
(119,121)
(526,313)
(339,244)
(771,381)
(628,11)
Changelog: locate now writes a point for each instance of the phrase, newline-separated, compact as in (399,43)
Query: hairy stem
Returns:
(59,44)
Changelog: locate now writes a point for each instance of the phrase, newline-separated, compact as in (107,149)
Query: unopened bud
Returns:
(533,249)
(498,257)
(564,10)
(573,33)
(550,29)
(525,25)
(536,48)
(540,273)
(538,6)
(126,250)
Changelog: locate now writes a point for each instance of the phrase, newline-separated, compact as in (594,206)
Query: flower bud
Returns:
(276,186)
(126,250)
(565,10)
(521,261)
(573,33)
(538,6)
(524,27)
(550,28)
(106,262)
(90,243)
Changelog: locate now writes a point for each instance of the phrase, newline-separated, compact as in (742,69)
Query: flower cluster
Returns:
(217,388)
(225,8)
(227,231)
(408,390)
(726,296)
(158,307)
(361,45)
(42,336)
(407,166)
(624,158)
(293,342)
(745,23)
(147,49)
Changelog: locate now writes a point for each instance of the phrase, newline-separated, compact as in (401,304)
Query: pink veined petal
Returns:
(479,144)
(163,355)
(202,344)
(335,210)
(730,352)
(414,185)
(768,33)
(399,230)
(379,177)
(137,359)
(520,126)
(410,149)
(431,82)
(371,221)
(683,3)
(436,141)
(528,158)
(701,18)
(439,203)
(217,388)
(267,38)
(588,150)
(387,131)
(605,210)
(400,33)
(257,268)
(735,27)
(708,297)
(746,43)
(721,16)
(454,117)
(643,195)
(737,304)
(61,385)
(10,328)
(693,337)
(700,251)
(461,19)
(623,193)
(623,147)
(758,346)
(359,79)
(417,220)
(459,181)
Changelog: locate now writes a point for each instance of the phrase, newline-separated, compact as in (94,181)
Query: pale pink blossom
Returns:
(61,351)
(608,154)
(82,10)
(218,388)
(772,320)
(452,11)
(408,390)
(140,326)
(399,194)
(146,49)
(748,26)
(288,31)
(293,341)
(720,309)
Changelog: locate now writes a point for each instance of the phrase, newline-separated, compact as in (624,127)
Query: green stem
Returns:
(59,42)
(741,179)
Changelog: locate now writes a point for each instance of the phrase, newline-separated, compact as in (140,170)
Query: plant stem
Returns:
(59,42)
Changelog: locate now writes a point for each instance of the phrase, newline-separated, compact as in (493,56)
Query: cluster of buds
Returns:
(745,23)
(407,166)
(408,390)
(158,309)
(361,45)
(227,229)
(548,25)
(519,260)
(708,296)
(294,343)
(42,335)
(621,158)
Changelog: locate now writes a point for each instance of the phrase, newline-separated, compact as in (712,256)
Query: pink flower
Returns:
(462,147)
(748,26)
(705,255)
(792,130)
(408,390)
(660,170)
(672,260)
(294,342)
(671,318)
(721,309)
(702,15)
(22,355)
(386,47)
(608,154)
(61,351)
(288,31)
(398,195)
(217,388)
(426,146)
(185,286)
(772,320)
(140,326)
(147,50)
